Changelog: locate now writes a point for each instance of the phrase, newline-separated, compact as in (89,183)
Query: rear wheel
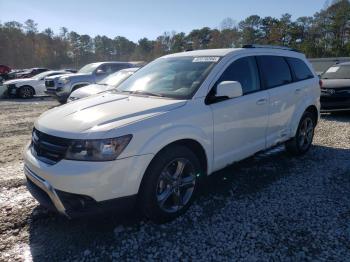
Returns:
(26,92)
(302,141)
(170,184)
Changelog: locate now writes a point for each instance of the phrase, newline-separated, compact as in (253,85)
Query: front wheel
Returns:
(170,183)
(26,92)
(302,141)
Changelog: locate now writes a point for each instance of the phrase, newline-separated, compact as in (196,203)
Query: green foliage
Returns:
(327,33)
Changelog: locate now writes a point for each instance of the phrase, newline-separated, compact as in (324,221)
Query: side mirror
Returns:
(100,72)
(229,89)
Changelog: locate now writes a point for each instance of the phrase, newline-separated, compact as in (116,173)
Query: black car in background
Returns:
(31,72)
(335,88)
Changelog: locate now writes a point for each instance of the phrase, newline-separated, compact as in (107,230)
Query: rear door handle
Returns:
(297,91)
(261,101)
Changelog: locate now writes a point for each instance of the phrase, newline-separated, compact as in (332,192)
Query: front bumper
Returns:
(79,187)
(12,90)
(55,94)
(43,192)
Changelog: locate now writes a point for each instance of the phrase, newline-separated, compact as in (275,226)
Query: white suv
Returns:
(180,118)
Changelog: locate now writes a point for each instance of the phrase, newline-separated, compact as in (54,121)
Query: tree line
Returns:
(325,34)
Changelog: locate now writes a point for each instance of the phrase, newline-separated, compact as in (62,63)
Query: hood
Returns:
(20,80)
(93,117)
(335,83)
(57,76)
(76,75)
(90,90)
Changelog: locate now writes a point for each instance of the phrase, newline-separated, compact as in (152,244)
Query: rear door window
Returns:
(275,71)
(300,69)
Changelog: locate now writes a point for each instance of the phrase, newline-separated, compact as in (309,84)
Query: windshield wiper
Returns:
(142,92)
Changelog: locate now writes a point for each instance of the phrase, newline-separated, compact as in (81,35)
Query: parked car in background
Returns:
(89,74)
(108,83)
(335,90)
(179,118)
(31,72)
(14,72)
(4,71)
(28,87)
(70,70)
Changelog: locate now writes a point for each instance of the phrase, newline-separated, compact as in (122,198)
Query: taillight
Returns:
(320,83)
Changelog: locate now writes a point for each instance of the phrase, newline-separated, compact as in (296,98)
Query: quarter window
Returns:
(275,71)
(244,71)
(300,69)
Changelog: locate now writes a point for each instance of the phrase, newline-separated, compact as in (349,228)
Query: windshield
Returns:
(116,78)
(89,68)
(42,75)
(337,72)
(177,77)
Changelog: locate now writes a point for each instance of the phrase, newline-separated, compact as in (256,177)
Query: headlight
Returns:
(65,80)
(97,150)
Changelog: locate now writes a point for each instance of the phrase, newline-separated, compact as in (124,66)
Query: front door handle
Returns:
(261,101)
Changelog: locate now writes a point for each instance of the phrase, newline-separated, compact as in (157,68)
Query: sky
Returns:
(136,19)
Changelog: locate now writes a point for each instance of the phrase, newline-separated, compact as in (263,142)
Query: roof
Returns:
(110,62)
(226,51)
(206,52)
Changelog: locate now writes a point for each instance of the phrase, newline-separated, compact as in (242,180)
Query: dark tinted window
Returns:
(301,70)
(244,71)
(275,70)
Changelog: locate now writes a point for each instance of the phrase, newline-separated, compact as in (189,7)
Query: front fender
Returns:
(172,134)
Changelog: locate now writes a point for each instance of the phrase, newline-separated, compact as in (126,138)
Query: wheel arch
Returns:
(308,107)
(192,144)
(313,110)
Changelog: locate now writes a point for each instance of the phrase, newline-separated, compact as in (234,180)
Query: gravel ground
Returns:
(268,207)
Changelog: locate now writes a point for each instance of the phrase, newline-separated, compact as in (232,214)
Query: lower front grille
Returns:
(40,195)
(47,148)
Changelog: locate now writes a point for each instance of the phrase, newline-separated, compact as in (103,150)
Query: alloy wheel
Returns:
(176,185)
(306,132)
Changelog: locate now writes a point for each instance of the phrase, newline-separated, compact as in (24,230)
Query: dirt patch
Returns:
(268,207)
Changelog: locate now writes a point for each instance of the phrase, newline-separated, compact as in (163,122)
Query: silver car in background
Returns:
(108,83)
(89,74)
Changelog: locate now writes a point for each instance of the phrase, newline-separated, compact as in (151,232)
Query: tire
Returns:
(164,195)
(26,92)
(62,100)
(302,141)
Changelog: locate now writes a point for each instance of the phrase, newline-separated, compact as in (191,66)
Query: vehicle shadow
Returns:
(55,238)
(27,100)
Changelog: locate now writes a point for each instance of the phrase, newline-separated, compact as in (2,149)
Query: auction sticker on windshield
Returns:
(211,59)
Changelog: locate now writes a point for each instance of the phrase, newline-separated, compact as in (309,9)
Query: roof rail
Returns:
(272,47)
